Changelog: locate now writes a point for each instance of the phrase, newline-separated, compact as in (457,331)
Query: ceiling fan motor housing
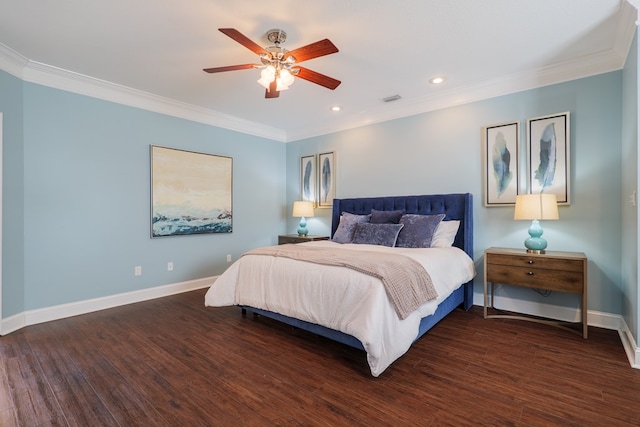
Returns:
(276,36)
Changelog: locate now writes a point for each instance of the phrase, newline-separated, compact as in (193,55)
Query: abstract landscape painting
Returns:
(548,152)
(190,193)
(501,160)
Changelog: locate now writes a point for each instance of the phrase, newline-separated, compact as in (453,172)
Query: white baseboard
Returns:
(594,318)
(47,314)
(629,344)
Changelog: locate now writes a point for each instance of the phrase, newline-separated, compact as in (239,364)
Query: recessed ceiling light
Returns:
(436,80)
(336,108)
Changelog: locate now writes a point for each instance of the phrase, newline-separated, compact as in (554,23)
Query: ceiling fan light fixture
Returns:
(267,75)
(279,65)
(286,77)
(280,86)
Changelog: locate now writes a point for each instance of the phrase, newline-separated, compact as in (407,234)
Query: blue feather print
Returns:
(326,179)
(306,182)
(501,163)
(547,168)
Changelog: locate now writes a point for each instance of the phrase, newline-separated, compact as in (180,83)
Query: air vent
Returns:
(391,98)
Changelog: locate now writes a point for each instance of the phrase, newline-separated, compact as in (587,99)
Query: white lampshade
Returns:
(303,209)
(536,206)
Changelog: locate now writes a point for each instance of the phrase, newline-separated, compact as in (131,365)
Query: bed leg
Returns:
(468,295)
(244,312)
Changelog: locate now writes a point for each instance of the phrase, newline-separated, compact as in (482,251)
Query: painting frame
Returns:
(501,182)
(326,179)
(191,192)
(548,155)
(308,179)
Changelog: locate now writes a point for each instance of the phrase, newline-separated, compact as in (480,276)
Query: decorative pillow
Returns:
(386,217)
(347,226)
(377,234)
(445,234)
(418,230)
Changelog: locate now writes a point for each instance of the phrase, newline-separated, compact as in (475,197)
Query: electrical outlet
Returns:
(138,270)
(229,258)
(170,266)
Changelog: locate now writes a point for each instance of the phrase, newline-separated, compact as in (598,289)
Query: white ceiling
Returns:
(150,53)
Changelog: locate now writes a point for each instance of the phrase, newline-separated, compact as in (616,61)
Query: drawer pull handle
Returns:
(530,273)
(530,262)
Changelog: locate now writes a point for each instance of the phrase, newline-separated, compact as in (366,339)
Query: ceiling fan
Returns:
(280,66)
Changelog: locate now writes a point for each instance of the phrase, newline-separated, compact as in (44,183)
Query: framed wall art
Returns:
(501,158)
(548,143)
(326,179)
(308,187)
(191,193)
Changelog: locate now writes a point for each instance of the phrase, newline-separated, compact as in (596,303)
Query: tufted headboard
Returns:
(455,206)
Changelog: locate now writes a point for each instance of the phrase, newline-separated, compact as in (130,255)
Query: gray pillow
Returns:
(347,226)
(377,234)
(386,217)
(418,230)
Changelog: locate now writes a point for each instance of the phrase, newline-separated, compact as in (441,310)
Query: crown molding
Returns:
(629,21)
(585,66)
(11,61)
(58,78)
(46,75)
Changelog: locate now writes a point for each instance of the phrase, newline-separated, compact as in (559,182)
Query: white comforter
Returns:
(341,298)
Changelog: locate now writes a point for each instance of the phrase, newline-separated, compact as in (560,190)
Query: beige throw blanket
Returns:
(407,283)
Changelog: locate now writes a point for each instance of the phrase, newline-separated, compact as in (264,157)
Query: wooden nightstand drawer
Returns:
(537,278)
(537,262)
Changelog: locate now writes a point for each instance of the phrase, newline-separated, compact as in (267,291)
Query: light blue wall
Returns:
(83,204)
(440,152)
(630,119)
(87,196)
(12,195)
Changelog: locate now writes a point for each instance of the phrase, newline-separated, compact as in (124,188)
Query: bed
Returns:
(346,305)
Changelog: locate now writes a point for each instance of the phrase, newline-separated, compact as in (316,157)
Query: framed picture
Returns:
(548,143)
(190,193)
(326,179)
(501,158)
(308,187)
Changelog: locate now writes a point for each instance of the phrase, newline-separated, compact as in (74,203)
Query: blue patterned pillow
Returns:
(386,217)
(418,230)
(377,234)
(347,226)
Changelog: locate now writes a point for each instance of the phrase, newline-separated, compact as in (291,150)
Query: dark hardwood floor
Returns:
(173,362)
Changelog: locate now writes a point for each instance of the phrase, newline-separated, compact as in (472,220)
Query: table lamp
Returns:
(302,210)
(536,207)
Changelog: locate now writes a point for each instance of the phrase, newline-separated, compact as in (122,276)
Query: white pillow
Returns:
(445,234)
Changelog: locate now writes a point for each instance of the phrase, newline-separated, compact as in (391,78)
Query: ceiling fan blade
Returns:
(317,78)
(314,50)
(243,40)
(229,68)
(272,92)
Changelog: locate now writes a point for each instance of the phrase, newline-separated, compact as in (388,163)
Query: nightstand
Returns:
(553,271)
(283,239)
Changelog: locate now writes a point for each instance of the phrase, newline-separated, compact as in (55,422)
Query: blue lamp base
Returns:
(535,244)
(302,228)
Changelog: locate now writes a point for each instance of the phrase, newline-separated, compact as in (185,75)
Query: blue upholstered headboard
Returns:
(455,206)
